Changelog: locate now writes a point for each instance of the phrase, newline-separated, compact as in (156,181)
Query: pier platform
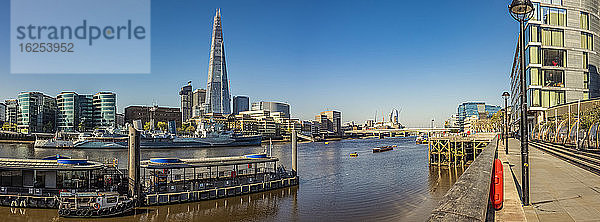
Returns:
(559,191)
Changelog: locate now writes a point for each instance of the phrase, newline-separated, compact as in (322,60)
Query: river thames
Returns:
(389,186)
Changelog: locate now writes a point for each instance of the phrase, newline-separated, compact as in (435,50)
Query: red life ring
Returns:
(96,206)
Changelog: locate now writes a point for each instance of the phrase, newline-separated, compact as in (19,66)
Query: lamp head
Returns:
(505,94)
(521,9)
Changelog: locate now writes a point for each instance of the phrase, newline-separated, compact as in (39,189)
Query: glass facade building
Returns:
(105,109)
(561,55)
(75,112)
(272,107)
(186,102)
(240,104)
(217,89)
(36,113)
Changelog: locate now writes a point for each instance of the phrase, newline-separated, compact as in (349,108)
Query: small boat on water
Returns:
(422,139)
(355,154)
(94,204)
(380,149)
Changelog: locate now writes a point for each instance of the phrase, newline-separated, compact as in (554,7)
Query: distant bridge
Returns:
(404,131)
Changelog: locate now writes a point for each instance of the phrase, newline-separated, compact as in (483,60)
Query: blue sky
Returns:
(359,57)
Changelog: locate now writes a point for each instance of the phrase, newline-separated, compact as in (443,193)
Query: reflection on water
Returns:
(388,186)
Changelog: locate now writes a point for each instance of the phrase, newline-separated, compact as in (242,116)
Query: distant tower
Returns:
(186,102)
(217,88)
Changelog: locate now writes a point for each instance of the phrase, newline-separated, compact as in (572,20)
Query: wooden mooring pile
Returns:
(457,150)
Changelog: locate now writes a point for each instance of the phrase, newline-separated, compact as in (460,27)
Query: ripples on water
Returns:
(389,186)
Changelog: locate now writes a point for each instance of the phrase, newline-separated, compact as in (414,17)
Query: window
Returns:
(587,41)
(585,60)
(553,57)
(586,80)
(552,37)
(584,21)
(535,98)
(554,78)
(552,98)
(532,33)
(533,54)
(536,78)
(553,16)
(553,2)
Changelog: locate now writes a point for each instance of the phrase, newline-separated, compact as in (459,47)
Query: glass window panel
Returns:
(535,77)
(545,99)
(534,34)
(535,100)
(533,55)
(553,57)
(553,78)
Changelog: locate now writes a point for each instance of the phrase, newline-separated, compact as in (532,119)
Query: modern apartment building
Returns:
(36,113)
(105,109)
(272,107)
(561,55)
(240,104)
(75,112)
(186,102)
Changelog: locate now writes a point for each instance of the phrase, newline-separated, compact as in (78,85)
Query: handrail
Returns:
(468,199)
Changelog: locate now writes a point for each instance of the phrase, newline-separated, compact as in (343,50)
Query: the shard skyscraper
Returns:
(217,88)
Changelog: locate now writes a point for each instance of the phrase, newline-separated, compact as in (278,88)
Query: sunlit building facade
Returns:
(36,113)
(561,55)
(105,109)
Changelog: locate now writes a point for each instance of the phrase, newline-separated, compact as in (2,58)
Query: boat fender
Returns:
(67,211)
(61,212)
(88,212)
(23,204)
(96,206)
(14,203)
(80,212)
(112,210)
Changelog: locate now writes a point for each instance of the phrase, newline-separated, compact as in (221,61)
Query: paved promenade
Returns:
(559,191)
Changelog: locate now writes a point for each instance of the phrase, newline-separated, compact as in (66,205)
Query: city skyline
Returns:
(321,71)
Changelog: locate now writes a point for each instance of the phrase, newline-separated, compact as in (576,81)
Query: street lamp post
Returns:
(522,11)
(506,95)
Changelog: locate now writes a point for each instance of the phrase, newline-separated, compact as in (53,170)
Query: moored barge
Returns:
(382,149)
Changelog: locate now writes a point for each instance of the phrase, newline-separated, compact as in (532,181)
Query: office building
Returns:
(330,123)
(186,102)
(478,109)
(217,88)
(11,111)
(152,114)
(272,107)
(2,113)
(36,113)
(561,56)
(198,99)
(105,109)
(240,104)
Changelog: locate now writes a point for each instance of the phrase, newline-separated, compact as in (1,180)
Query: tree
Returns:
(162,126)
(190,129)
(147,126)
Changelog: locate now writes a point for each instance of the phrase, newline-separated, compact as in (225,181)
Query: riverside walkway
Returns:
(559,191)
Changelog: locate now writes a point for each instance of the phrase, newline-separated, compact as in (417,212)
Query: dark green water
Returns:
(389,186)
